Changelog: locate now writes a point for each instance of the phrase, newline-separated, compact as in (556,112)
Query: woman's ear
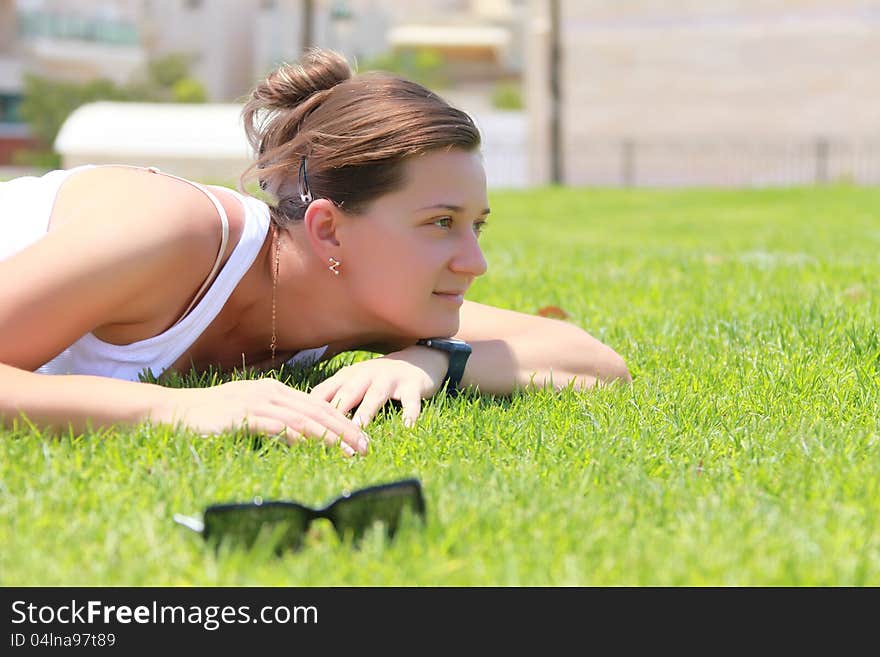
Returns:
(322,223)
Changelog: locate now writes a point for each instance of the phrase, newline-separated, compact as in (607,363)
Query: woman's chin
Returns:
(444,329)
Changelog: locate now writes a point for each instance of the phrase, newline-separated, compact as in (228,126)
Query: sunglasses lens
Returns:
(283,526)
(385,505)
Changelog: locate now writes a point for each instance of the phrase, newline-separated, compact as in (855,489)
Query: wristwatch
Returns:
(458,351)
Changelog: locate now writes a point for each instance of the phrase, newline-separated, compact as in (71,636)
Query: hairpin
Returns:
(305,193)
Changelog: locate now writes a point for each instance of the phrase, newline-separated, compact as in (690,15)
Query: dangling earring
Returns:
(334,266)
(274,287)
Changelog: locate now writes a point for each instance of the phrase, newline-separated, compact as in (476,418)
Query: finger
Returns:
(326,389)
(350,432)
(411,402)
(316,413)
(319,407)
(373,399)
(291,437)
(341,427)
(349,395)
(350,439)
(274,428)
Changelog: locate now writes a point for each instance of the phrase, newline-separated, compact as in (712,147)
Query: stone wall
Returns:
(728,93)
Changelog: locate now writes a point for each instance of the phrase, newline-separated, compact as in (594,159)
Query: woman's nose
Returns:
(469,259)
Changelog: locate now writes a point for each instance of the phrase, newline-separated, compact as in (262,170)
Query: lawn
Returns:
(745,452)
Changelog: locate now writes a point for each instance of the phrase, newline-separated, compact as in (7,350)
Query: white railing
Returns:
(722,161)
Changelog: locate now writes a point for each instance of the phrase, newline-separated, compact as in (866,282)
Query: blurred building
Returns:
(199,141)
(480,40)
(80,40)
(737,93)
(644,92)
(234,43)
(14,134)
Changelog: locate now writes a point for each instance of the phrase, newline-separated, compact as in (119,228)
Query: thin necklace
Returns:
(274,286)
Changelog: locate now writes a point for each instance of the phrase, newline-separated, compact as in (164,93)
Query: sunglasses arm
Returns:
(190,523)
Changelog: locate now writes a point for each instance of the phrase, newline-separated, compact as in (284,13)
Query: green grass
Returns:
(746,451)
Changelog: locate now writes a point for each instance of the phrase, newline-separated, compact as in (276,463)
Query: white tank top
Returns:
(25,208)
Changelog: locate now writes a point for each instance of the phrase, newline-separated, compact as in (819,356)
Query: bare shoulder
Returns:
(126,196)
(170,226)
(125,253)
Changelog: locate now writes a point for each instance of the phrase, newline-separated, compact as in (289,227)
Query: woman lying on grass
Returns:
(370,243)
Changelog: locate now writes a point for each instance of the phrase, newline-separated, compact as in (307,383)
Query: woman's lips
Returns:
(453,298)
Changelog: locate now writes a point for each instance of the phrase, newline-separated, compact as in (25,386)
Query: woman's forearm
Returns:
(77,402)
(499,367)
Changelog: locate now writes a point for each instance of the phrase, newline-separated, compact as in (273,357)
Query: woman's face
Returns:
(418,242)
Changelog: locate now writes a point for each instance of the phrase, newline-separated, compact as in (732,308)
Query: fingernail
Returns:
(359,421)
(363,445)
(347,449)
(407,422)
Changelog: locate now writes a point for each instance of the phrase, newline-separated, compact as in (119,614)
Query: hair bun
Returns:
(355,133)
(279,104)
(291,84)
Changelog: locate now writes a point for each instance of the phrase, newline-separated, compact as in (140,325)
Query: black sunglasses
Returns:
(285,524)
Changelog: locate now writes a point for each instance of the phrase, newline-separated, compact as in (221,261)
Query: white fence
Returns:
(505,148)
(722,162)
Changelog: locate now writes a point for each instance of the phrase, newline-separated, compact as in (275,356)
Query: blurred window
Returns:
(53,25)
(9,108)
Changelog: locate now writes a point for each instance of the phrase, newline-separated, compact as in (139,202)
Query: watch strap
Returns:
(458,358)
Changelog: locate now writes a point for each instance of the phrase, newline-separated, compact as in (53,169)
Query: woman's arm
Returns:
(510,350)
(108,252)
(513,350)
(78,403)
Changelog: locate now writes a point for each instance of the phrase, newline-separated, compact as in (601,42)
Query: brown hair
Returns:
(354,131)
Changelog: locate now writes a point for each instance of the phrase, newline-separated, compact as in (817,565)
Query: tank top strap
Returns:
(224,239)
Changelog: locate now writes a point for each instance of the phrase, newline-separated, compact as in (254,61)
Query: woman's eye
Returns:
(478,225)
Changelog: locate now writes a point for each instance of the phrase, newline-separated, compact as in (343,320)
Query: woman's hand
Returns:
(408,375)
(263,406)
